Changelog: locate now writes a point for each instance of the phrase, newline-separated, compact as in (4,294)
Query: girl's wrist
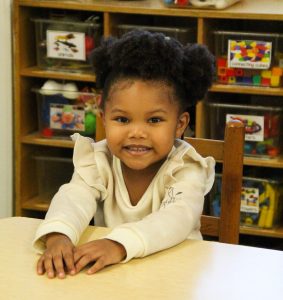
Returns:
(50,237)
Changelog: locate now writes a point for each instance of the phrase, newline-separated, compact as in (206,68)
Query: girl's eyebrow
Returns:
(117,110)
(159,110)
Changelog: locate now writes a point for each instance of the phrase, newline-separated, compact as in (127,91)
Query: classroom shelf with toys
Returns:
(55,93)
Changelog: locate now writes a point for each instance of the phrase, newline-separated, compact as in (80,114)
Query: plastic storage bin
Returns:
(254,59)
(51,173)
(263,126)
(261,201)
(63,45)
(62,113)
(206,4)
(183,35)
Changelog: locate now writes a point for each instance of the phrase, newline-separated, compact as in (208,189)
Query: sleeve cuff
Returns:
(57,226)
(133,244)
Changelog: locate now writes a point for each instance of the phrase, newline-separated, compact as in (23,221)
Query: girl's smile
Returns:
(137,149)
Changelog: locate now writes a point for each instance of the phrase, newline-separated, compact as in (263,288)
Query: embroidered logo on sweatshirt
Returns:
(171,196)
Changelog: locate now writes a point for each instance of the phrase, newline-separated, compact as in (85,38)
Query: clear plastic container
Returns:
(205,4)
(249,58)
(51,173)
(263,133)
(261,201)
(183,35)
(62,113)
(65,45)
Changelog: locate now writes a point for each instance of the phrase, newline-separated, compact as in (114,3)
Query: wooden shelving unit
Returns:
(27,141)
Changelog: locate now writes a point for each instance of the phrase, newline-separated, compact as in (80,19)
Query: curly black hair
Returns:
(150,56)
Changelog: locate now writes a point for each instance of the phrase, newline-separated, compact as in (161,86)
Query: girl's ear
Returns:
(183,122)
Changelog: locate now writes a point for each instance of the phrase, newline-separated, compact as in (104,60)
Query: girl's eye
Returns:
(154,120)
(122,120)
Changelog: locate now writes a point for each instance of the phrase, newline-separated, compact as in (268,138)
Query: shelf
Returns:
(241,89)
(36,139)
(264,162)
(37,72)
(90,77)
(257,14)
(36,204)
(276,232)
(250,9)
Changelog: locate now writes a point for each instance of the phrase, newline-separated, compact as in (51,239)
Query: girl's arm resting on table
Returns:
(69,213)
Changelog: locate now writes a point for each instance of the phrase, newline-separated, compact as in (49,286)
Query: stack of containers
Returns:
(65,44)
(261,201)
(263,126)
(64,110)
(251,58)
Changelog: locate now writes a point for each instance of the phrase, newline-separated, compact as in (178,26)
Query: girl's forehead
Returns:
(140,87)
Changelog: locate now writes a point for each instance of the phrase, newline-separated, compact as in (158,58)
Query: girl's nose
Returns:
(137,131)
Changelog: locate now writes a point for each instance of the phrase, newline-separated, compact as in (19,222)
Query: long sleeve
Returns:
(75,203)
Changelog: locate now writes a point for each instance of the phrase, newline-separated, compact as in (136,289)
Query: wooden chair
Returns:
(230,153)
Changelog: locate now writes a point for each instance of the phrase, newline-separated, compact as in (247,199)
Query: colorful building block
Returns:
(266,74)
(275,80)
(265,81)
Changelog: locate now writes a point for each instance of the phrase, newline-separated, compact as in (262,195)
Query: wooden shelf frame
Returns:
(26,141)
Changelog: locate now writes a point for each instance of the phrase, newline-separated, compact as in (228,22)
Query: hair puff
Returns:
(153,56)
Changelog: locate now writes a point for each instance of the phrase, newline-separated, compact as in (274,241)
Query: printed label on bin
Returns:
(250,200)
(254,126)
(66,45)
(249,54)
(67,117)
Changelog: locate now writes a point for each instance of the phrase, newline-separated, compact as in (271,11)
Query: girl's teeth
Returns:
(138,149)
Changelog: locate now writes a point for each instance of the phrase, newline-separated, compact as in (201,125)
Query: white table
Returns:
(192,270)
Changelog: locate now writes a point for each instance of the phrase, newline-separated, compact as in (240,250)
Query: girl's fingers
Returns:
(98,265)
(69,262)
(59,265)
(48,266)
(40,266)
(81,263)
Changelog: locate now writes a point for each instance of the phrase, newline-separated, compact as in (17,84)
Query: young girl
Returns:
(142,180)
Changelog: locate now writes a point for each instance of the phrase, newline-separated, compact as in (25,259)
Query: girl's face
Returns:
(141,123)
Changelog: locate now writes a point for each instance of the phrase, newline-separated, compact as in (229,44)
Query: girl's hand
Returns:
(102,252)
(58,254)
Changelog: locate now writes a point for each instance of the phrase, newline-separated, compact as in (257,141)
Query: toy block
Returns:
(247,80)
(239,72)
(266,74)
(222,71)
(230,72)
(221,62)
(275,80)
(276,71)
(223,79)
(265,81)
(256,80)
(231,79)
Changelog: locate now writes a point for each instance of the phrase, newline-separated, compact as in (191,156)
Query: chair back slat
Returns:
(230,153)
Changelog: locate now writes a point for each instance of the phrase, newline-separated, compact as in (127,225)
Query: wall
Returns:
(6,173)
